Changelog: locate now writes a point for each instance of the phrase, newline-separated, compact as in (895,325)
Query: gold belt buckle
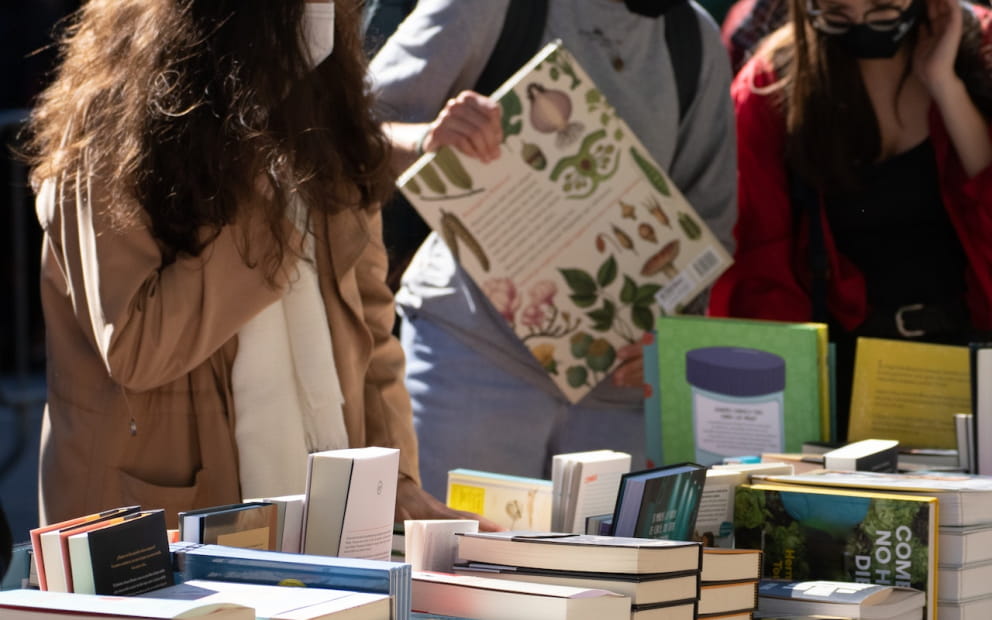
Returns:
(901,323)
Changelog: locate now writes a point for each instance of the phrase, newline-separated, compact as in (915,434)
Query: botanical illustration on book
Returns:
(574,233)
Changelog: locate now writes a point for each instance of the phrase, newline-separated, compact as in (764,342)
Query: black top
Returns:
(898,234)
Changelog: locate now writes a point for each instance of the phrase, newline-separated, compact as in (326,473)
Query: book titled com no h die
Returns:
(808,532)
(577,237)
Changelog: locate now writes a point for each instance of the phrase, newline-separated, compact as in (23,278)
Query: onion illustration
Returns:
(550,113)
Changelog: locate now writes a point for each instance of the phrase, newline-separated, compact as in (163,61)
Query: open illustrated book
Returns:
(574,233)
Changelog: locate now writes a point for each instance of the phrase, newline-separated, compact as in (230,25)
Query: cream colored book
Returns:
(514,502)
(578,238)
(351,499)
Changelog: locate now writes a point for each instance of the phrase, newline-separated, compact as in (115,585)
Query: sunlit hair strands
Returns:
(188,110)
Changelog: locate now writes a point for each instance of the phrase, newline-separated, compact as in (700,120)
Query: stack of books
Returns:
(952,550)
(728,583)
(214,600)
(252,566)
(660,577)
(841,599)
(122,551)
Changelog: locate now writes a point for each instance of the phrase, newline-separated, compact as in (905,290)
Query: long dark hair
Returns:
(831,126)
(186,111)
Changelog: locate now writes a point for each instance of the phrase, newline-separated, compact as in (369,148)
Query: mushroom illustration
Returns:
(662,261)
(550,113)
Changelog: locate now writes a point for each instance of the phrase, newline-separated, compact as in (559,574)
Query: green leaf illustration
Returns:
(511,109)
(645,294)
(607,272)
(579,281)
(629,291)
(603,317)
(584,301)
(642,317)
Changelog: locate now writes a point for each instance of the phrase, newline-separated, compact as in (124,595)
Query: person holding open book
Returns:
(866,175)
(481,399)
(208,176)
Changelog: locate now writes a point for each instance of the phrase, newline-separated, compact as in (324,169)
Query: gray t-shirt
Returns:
(442,48)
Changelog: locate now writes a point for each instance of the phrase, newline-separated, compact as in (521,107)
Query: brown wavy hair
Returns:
(189,110)
(831,126)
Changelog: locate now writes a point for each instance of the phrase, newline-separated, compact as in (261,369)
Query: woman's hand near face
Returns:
(933,61)
(933,65)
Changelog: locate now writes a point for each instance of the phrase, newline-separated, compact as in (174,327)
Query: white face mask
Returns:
(318,30)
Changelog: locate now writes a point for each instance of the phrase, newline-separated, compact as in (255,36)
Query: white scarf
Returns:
(287,396)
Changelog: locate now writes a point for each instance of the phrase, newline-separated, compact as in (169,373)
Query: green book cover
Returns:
(734,387)
(857,535)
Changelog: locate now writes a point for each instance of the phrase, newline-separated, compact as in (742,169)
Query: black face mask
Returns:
(861,41)
(650,8)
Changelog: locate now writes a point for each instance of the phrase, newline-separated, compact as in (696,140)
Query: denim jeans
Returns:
(471,413)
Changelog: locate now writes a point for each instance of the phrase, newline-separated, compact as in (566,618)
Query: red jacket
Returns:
(770,276)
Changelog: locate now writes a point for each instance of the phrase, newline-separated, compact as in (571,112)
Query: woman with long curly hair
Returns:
(208,176)
(865,185)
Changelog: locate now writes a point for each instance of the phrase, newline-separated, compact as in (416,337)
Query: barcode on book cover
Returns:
(706,263)
(673,293)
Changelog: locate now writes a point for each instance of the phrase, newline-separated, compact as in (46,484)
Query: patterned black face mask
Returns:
(864,41)
(650,8)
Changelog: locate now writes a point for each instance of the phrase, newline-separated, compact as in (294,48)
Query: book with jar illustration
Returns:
(575,234)
(737,387)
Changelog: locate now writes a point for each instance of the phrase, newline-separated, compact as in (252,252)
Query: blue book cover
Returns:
(222,563)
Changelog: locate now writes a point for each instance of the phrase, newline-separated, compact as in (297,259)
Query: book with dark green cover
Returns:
(736,387)
(808,533)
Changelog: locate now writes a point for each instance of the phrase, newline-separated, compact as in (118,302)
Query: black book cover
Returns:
(132,556)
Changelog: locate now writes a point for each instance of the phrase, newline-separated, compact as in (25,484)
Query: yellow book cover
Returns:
(515,502)
(908,391)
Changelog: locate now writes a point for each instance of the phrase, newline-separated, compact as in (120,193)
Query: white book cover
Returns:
(588,486)
(430,544)
(983,410)
(276,602)
(39,604)
(577,237)
(351,499)
(564,485)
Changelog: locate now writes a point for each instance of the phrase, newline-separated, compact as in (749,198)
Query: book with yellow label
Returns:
(514,502)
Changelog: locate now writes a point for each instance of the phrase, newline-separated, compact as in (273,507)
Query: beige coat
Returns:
(139,357)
